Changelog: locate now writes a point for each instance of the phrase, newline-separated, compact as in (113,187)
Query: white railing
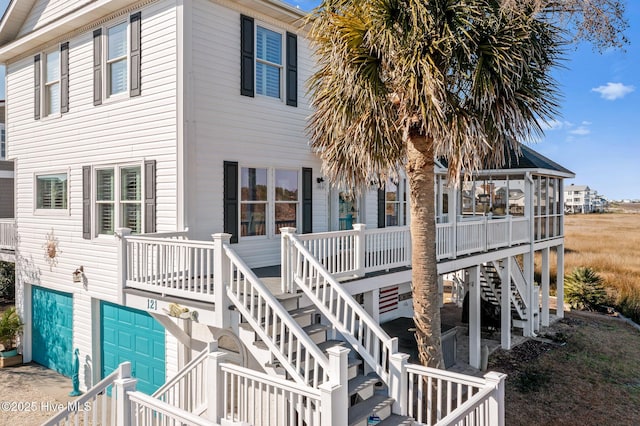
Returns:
(387,248)
(445,247)
(336,251)
(439,397)
(345,314)
(170,265)
(8,234)
(284,337)
(188,389)
(471,236)
(259,399)
(94,407)
(148,411)
(520,230)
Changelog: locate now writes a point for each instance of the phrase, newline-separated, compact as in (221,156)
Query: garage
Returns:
(52,329)
(132,335)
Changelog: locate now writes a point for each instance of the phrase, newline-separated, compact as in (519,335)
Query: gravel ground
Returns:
(30,394)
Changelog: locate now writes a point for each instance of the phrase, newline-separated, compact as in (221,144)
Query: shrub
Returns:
(584,289)
(7,280)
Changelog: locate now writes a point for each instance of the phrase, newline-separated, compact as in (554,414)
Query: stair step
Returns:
(353,364)
(307,310)
(360,383)
(359,413)
(309,330)
(397,420)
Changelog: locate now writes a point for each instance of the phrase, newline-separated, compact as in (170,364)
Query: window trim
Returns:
(51,211)
(402,204)
(45,113)
(270,214)
(281,67)
(104,57)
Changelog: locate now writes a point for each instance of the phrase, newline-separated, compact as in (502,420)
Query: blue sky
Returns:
(595,134)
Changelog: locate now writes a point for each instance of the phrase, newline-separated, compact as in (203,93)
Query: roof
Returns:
(573,187)
(528,160)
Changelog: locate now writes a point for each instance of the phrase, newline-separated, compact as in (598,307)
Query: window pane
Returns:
(130,184)
(391,214)
(286,214)
(252,219)
(253,184)
(51,192)
(105,218)
(104,185)
(267,80)
(269,45)
(118,77)
(117,41)
(53,98)
(286,185)
(53,67)
(131,214)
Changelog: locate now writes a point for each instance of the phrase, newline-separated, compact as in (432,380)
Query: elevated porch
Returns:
(8,240)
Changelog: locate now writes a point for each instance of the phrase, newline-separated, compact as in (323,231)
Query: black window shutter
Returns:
(36,87)
(382,220)
(231,199)
(86,202)
(307,200)
(64,77)
(247,60)
(97,67)
(150,196)
(292,70)
(136,33)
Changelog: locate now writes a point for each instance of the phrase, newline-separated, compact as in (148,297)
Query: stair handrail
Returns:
(145,409)
(374,346)
(293,364)
(518,279)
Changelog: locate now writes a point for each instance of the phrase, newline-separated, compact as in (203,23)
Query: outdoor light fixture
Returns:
(78,275)
(320,181)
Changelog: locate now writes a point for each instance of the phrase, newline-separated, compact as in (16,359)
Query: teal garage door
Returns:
(134,336)
(52,329)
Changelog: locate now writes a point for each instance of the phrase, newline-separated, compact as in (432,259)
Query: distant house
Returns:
(578,199)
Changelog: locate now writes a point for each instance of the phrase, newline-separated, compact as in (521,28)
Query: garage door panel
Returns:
(52,329)
(134,336)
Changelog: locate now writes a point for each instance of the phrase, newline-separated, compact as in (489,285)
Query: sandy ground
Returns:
(30,394)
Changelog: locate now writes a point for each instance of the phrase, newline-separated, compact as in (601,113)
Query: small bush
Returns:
(7,280)
(584,289)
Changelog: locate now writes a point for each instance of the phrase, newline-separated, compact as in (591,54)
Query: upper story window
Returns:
(51,82)
(51,192)
(269,62)
(116,59)
(3,143)
(395,206)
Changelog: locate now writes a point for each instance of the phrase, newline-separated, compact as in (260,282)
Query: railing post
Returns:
(221,279)
(334,392)
(360,246)
(496,401)
(398,386)
(286,260)
(510,229)
(215,384)
(123,264)
(125,383)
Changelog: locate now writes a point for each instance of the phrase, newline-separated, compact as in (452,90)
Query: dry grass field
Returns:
(610,244)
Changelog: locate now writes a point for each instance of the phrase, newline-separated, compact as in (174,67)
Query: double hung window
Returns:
(118,199)
(268,62)
(395,203)
(117,58)
(52,83)
(51,192)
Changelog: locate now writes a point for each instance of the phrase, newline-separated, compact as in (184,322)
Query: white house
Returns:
(578,199)
(171,214)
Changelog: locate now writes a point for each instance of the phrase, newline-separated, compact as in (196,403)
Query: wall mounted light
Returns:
(78,275)
(320,182)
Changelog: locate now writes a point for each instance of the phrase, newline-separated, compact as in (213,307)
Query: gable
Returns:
(45,11)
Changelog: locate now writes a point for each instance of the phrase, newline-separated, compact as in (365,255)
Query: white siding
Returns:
(45,11)
(259,132)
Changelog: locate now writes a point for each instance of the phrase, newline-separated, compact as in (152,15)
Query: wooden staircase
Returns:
(491,287)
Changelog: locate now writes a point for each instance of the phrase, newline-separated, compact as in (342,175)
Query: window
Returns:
(3,146)
(118,199)
(268,62)
(51,82)
(269,200)
(116,59)
(395,203)
(51,192)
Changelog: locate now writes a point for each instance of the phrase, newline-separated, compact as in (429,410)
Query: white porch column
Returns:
(360,245)
(560,281)
(286,260)
(221,279)
(544,319)
(334,392)
(505,304)
(372,304)
(398,389)
(184,351)
(125,383)
(532,305)
(121,233)
(474,317)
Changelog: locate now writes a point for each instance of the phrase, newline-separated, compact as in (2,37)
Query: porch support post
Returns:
(372,304)
(123,384)
(532,305)
(122,233)
(286,260)
(221,279)
(496,401)
(215,384)
(184,351)
(441,290)
(505,304)
(474,317)
(453,220)
(360,243)
(398,389)
(560,281)
(545,288)
(334,392)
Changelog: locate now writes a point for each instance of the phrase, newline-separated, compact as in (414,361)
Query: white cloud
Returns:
(613,91)
(580,131)
(555,125)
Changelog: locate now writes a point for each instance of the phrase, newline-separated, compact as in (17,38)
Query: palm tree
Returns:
(402,82)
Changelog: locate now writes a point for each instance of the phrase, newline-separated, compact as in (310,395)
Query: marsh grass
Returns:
(609,244)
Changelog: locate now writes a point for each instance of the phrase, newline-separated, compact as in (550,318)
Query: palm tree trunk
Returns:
(426,303)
